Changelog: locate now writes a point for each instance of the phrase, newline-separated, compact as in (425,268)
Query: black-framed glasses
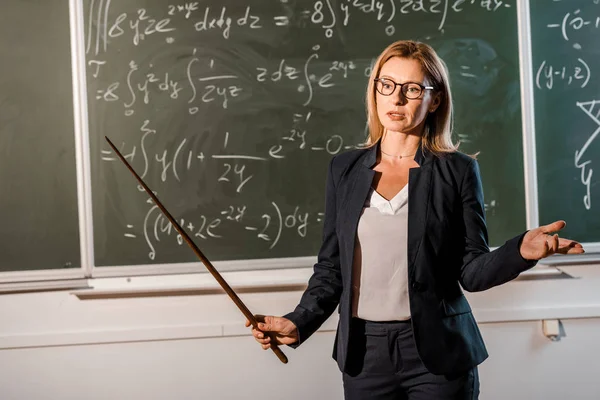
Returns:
(410,90)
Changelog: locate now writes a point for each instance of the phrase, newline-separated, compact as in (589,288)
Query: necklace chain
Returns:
(392,155)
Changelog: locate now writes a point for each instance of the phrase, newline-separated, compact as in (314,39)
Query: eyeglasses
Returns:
(410,90)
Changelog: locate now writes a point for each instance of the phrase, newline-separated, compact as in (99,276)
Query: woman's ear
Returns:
(435,103)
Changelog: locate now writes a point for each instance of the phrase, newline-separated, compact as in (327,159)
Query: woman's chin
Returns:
(404,128)
(398,128)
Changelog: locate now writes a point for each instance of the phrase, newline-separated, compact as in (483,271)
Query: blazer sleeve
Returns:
(482,269)
(324,288)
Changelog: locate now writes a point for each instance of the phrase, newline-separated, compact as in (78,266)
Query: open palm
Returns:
(541,242)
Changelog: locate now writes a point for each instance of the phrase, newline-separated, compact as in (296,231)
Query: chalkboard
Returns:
(566,63)
(39,227)
(230,110)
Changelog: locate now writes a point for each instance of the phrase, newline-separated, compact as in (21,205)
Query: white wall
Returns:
(55,345)
(523,365)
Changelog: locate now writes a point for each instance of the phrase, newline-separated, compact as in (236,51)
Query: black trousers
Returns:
(383,364)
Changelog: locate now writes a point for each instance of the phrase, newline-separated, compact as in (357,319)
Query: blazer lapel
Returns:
(356,200)
(419,190)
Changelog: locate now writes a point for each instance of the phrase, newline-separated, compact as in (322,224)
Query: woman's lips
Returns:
(395,116)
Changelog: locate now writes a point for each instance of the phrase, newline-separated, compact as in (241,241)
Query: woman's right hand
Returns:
(282,330)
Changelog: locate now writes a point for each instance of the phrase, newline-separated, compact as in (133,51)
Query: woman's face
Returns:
(397,113)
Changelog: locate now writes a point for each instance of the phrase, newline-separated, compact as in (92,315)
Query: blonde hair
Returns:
(437,134)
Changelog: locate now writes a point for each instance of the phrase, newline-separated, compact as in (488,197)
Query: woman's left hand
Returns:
(539,243)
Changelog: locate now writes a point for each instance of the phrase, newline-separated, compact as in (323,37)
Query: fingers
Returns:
(554,243)
(551,245)
(568,243)
(575,250)
(259,318)
(273,331)
(264,322)
(546,248)
(553,227)
(269,324)
(261,337)
(264,327)
(567,246)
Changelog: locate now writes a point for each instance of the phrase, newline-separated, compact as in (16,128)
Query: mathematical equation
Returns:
(577,21)
(269,228)
(221,103)
(584,164)
(578,74)
(326,14)
(573,22)
(233,167)
(217,88)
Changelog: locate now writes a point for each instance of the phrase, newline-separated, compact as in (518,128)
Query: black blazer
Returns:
(447,245)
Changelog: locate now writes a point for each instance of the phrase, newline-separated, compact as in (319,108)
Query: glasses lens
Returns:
(412,90)
(385,86)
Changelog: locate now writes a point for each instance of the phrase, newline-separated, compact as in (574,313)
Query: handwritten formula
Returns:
(566,77)
(232,110)
(571,73)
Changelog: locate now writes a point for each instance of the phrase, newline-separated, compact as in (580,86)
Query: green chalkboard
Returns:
(566,60)
(38,187)
(230,110)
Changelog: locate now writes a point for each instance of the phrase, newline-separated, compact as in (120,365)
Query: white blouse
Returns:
(380,268)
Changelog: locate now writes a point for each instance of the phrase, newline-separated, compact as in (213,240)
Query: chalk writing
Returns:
(232,110)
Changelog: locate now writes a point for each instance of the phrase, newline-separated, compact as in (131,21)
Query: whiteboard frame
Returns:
(528,115)
(82,137)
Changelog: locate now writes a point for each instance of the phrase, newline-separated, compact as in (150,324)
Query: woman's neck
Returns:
(399,145)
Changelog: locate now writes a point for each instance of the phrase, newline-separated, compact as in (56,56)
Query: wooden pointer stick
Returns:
(238,302)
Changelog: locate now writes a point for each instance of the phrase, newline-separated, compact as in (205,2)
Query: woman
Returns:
(404,228)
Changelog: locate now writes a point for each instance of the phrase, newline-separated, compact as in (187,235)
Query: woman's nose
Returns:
(399,98)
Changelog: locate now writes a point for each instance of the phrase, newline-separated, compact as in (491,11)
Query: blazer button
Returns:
(419,287)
